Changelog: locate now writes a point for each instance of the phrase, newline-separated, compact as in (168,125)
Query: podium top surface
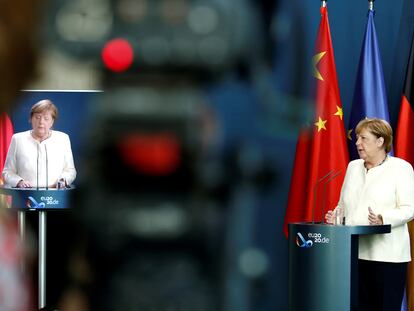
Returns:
(11,190)
(359,230)
(38,198)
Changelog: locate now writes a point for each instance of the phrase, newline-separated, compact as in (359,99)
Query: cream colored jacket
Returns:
(30,160)
(389,190)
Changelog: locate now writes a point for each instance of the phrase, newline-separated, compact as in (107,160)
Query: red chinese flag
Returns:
(404,149)
(321,153)
(6,132)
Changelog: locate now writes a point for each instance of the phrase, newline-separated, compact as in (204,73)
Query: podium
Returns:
(323,265)
(40,200)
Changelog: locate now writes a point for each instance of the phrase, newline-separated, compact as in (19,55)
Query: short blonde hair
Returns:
(42,106)
(379,128)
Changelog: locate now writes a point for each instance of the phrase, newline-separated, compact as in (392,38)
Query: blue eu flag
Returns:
(370,98)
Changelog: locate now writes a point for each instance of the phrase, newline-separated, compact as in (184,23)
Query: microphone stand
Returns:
(42,248)
(314,193)
(37,168)
(324,192)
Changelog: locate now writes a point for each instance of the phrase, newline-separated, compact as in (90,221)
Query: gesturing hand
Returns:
(23,184)
(330,217)
(373,218)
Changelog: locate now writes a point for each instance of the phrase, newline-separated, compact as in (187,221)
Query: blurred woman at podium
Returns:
(377,190)
(40,157)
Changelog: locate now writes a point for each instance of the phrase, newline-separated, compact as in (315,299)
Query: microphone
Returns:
(324,192)
(37,169)
(314,193)
(47,170)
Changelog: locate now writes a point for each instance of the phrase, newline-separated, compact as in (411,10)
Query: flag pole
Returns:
(371,5)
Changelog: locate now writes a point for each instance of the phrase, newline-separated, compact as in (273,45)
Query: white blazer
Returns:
(39,163)
(389,190)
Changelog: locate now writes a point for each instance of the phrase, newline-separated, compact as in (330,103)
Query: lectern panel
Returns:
(38,199)
(323,265)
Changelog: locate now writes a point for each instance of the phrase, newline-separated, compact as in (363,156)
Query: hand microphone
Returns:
(324,192)
(314,193)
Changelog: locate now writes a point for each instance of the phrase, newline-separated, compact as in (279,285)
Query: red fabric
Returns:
(320,151)
(6,132)
(15,291)
(404,149)
(299,181)
(405,129)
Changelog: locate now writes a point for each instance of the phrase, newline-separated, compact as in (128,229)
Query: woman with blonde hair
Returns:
(379,189)
(40,157)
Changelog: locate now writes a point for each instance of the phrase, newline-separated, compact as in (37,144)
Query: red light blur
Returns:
(152,154)
(117,55)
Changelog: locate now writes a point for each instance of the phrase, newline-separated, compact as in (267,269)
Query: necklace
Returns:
(377,164)
(382,161)
(40,139)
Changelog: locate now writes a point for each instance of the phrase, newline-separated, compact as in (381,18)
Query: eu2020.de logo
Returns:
(301,242)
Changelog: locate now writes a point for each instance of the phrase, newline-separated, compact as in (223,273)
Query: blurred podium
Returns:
(40,200)
(323,265)
(32,199)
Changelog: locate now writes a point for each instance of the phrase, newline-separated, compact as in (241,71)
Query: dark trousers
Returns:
(381,285)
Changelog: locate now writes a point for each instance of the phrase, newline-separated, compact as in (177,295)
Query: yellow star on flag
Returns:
(321,124)
(339,112)
(349,134)
(315,60)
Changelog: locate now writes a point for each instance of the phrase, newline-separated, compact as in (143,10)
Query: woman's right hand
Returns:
(330,217)
(23,184)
